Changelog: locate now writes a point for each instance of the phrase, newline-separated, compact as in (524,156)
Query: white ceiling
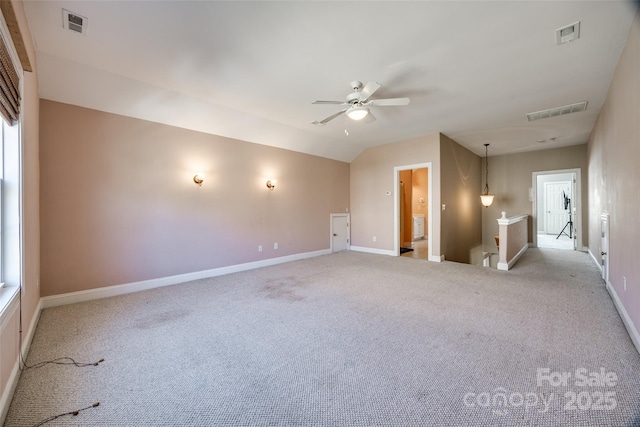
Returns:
(250,70)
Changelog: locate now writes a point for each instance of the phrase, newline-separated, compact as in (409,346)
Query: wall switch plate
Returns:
(624,282)
(275,245)
(259,248)
(374,238)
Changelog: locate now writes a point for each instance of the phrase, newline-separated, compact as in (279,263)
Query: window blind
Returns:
(9,86)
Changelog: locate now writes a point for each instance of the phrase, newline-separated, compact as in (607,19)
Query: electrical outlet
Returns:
(374,238)
(275,245)
(259,248)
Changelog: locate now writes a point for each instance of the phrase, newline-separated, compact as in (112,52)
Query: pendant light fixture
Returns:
(485,197)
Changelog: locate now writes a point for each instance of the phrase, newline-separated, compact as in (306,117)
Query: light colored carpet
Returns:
(348,339)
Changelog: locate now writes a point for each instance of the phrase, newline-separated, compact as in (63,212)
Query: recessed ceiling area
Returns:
(251,70)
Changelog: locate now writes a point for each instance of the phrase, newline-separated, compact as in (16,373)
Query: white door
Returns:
(556,213)
(339,232)
(604,227)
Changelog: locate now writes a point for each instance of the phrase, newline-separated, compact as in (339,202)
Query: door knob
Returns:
(335,235)
(603,253)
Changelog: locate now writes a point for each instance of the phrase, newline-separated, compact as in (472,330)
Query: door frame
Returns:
(576,202)
(331,218)
(396,206)
(604,246)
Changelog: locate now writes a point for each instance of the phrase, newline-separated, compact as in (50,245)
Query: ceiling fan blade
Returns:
(388,102)
(369,90)
(330,102)
(328,119)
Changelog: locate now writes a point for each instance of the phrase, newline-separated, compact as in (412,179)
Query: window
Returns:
(10,164)
(10,200)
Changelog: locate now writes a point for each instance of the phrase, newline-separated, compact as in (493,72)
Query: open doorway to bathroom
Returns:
(413,215)
(557,209)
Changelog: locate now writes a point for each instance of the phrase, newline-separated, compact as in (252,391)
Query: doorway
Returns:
(557,209)
(412,207)
(340,232)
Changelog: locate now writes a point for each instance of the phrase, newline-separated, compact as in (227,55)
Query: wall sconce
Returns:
(271,184)
(198,178)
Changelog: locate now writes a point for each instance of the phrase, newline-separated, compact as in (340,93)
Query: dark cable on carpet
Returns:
(74,413)
(59,361)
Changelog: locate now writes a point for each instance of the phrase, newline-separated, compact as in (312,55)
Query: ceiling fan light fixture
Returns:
(357,113)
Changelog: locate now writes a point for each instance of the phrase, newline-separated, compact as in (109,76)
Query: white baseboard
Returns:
(507,266)
(110,291)
(436,258)
(12,382)
(373,250)
(628,323)
(595,261)
(626,320)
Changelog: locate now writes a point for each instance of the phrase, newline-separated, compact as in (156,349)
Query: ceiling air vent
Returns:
(558,111)
(74,22)
(568,34)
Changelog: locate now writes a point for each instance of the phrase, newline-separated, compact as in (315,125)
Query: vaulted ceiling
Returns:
(251,70)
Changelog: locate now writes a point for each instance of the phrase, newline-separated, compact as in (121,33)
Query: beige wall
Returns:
(510,177)
(119,205)
(461,229)
(372,211)
(30,212)
(614,176)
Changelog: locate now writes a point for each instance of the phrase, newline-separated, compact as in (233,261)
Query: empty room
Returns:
(319,213)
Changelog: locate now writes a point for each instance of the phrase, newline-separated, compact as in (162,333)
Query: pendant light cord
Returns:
(486,168)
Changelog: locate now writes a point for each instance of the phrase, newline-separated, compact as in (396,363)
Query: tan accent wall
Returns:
(614,176)
(119,204)
(461,232)
(9,340)
(372,172)
(510,178)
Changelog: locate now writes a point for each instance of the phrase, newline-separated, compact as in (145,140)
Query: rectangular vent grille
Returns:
(558,111)
(74,22)
(568,34)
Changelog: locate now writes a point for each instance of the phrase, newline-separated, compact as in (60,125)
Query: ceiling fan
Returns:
(359,102)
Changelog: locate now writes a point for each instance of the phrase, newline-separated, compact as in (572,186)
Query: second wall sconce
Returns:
(271,184)
(198,178)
